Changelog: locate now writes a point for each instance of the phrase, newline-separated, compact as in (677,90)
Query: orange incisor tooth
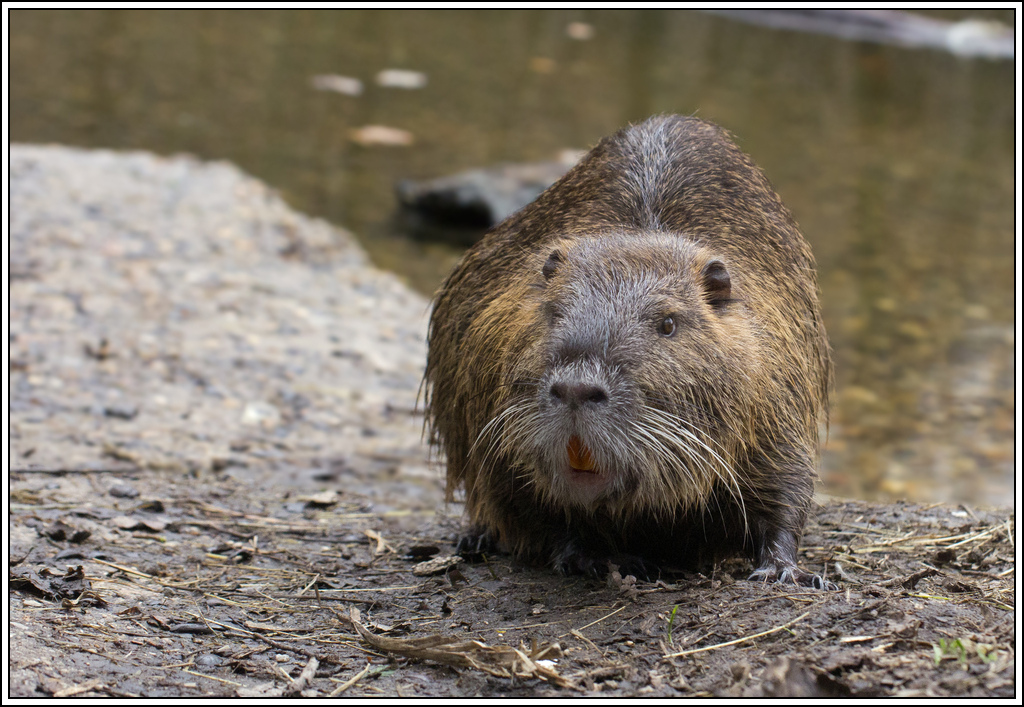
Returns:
(579,456)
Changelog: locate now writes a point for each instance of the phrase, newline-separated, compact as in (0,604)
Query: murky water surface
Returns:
(898,164)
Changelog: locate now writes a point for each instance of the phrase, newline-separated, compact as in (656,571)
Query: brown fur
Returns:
(708,434)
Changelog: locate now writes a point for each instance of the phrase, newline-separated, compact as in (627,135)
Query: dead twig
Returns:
(91,685)
(290,689)
(122,568)
(594,623)
(302,682)
(212,677)
(500,661)
(382,545)
(740,640)
(351,681)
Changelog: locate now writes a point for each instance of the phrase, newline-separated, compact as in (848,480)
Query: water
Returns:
(898,164)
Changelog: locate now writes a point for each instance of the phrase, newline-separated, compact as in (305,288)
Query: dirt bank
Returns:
(215,457)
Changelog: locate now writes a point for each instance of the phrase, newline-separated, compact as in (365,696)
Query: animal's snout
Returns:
(576,394)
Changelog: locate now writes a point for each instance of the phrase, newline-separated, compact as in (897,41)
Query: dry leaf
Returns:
(436,565)
(382,546)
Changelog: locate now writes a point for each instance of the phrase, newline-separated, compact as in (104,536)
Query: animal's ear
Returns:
(551,264)
(717,285)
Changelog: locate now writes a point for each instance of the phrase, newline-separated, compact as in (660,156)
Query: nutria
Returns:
(633,368)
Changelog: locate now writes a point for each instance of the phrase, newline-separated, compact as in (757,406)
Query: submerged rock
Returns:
(480,198)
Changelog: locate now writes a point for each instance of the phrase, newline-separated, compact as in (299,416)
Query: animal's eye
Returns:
(667,327)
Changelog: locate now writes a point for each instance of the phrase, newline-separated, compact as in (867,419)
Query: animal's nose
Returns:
(576,394)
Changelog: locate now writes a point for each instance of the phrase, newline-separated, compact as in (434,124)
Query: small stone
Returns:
(71,553)
(338,84)
(401,78)
(123,491)
(381,135)
(260,413)
(121,412)
(580,31)
(322,499)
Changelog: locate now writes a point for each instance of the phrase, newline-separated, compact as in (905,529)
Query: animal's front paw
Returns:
(633,565)
(570,558)
(476,542)
(790,574)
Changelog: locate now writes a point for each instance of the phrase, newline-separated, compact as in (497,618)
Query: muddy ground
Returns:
(217,487)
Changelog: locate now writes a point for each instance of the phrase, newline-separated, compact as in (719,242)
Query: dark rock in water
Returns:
(480,198)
